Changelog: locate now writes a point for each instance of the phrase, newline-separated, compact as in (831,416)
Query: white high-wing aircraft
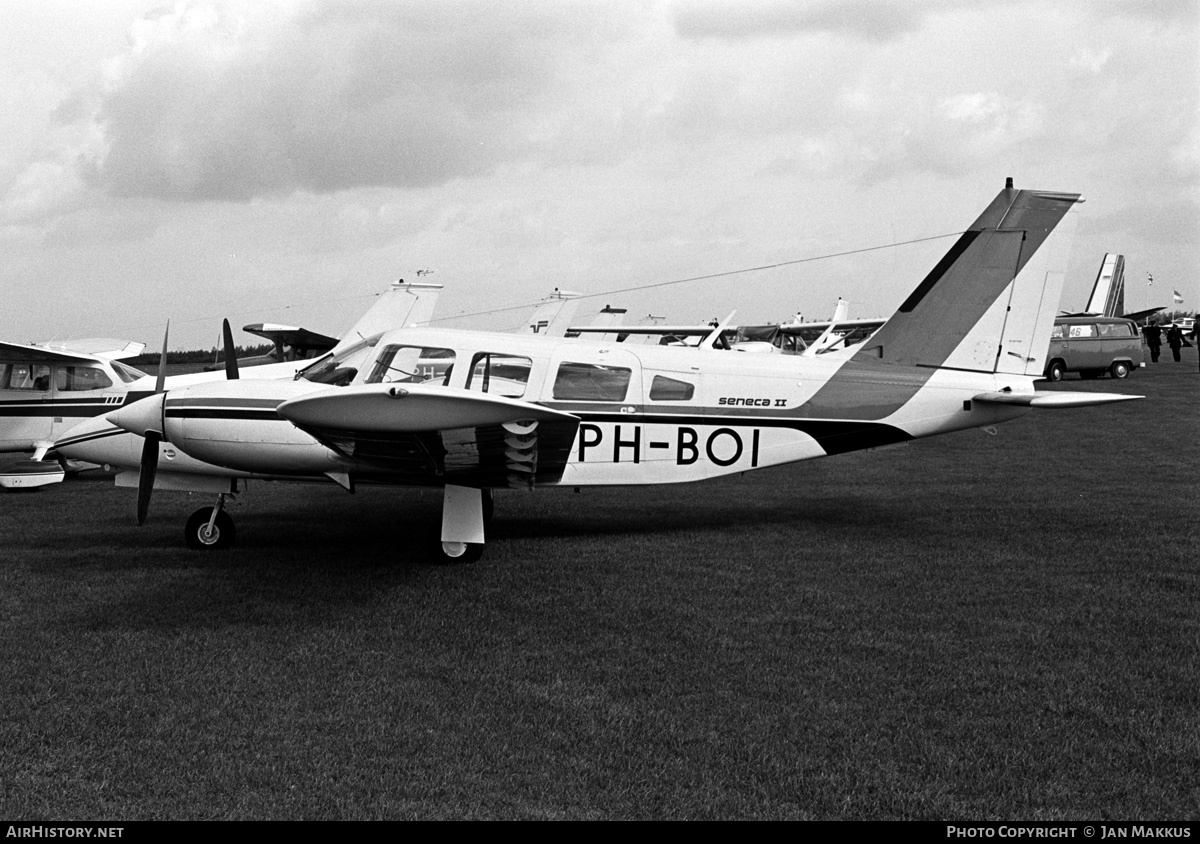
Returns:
(519,411)
(45,390)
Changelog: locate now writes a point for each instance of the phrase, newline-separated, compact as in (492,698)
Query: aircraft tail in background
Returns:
(553,314)
(406,304)
(1108,291)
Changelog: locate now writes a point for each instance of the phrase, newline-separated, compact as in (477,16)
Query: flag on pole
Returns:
(1178,297)
(1149,279)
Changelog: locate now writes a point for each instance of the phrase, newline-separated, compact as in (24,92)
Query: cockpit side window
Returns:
(412,365)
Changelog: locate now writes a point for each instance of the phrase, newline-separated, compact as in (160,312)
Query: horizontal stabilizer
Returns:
(1053,400)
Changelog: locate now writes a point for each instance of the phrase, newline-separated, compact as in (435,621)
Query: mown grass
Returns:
(972,627)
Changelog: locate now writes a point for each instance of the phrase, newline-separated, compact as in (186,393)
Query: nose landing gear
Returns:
(210,528)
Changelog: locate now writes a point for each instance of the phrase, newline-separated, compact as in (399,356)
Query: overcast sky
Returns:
(285,161)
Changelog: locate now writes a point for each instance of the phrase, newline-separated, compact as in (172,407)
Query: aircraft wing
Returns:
(22,352)
(1052,400)
(298,338)
(666,330)
(435,434)
(839,325)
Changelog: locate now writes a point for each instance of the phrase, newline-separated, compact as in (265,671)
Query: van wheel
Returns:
(1119,369)
(1056,371)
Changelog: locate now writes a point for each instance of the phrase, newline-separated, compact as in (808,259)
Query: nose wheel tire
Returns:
(199,536)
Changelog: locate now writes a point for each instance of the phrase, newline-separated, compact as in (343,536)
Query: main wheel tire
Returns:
(1120,369)
(458,552)
(1056,371)
(197,535)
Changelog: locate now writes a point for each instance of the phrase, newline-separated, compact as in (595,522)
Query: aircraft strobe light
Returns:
(141,416)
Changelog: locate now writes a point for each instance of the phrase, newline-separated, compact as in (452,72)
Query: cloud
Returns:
(871,20)
(216,102)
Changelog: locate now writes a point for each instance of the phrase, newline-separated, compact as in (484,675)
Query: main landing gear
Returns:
(465,511)
(210,528)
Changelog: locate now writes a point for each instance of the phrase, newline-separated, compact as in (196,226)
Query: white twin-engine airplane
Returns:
(474,411)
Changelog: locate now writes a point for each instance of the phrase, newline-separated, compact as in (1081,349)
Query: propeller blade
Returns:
(231,370)
(146,477)
(162,362)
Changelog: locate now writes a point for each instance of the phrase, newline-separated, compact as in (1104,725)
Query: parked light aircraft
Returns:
(517,411)
(46,391)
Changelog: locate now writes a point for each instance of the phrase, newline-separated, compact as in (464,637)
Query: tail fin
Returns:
(1108,291)
(402,305)
(553,314)
(989,304)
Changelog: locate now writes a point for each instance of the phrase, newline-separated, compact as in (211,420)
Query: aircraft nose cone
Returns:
(141,416)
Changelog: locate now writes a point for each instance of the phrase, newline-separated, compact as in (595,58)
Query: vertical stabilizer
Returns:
(1108,291)
(403,305)
(987,306)
(553,314)
(987,302)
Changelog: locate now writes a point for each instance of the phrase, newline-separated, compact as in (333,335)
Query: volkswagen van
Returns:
(1093,346)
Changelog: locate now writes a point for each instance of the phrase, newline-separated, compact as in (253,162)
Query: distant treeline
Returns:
(199,355)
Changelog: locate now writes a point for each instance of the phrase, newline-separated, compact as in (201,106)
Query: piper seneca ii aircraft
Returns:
(470,412)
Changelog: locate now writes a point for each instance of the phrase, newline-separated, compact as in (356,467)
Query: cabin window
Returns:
(1083,331)
(25,376)
(591,382)
(504,375)
(412,365)
(80,378)
(663,388)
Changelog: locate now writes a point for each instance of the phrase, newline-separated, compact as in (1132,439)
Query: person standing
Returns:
(1153,335)
(1174,340)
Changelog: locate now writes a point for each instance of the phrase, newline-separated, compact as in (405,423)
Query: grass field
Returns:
(971,627)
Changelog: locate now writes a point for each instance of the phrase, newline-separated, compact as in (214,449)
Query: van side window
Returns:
(591,382)
(1114,329)
(1056,333)
(1083,331)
